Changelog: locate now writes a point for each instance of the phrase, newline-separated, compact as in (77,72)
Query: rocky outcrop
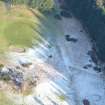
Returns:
(8,74)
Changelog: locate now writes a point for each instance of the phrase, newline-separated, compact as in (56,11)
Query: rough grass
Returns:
(61,98)
(19,33)
(4,100)
(24,27)
(17,27)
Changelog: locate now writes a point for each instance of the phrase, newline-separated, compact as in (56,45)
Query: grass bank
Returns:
(21,26)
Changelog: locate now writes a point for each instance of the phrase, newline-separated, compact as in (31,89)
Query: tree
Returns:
(92,15)
(43,5)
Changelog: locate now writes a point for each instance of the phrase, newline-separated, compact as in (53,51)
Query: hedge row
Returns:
(92,15)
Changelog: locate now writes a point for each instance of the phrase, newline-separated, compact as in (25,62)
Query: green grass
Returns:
(19,33)
(20,27)
(17,27)
(61,97)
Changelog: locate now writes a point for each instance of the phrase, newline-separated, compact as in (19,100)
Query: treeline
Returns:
(43,5)
(92,15)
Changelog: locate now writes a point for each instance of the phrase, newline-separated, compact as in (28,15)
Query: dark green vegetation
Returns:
(5,78)
(43,5)
(92,15)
